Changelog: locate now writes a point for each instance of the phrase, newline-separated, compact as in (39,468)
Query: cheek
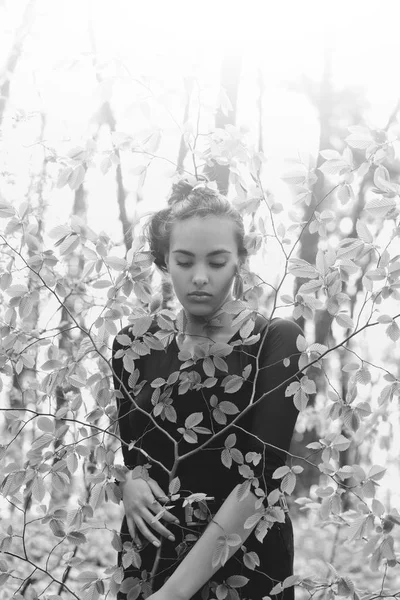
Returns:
(178,279)
(226,282)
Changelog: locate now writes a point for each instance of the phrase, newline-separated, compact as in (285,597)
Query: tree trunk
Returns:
(182,146)
(230,76)
(106,117)
(13,57)
(75,267)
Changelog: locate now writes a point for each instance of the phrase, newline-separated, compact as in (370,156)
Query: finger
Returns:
(157,491)
(157,526)
(145,531)
(131,527)
(167,516)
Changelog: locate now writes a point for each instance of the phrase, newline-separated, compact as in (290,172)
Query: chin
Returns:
(198,309)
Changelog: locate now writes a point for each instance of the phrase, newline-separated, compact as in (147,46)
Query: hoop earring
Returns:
(238,287)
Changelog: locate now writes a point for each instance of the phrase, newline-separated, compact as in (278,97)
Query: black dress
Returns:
(271,420)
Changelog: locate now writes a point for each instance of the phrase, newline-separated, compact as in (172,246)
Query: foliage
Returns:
(65,294)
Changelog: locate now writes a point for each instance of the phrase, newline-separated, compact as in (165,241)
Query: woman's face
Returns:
(203,256)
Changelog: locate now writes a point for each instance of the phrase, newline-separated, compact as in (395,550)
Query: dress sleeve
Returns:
(274,417)
(125,405)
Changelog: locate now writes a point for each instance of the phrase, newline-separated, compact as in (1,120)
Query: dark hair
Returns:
(187,200)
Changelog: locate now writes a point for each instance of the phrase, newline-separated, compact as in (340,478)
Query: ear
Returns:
(240,264)
(166,258)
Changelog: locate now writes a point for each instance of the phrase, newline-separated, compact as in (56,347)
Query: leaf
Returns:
(280,472)
(288,483)
(221,553)
(221,591)
(157,382)
(330,154)
(237,456)
(363,376)
(380,207)
(26,306)
(290,581)
(292,388)
(76,537)
(87,577)
(174,486)
(69,245)
(243,490)
(190,436)
(220,363)
(363,232)
(116,263)
(301,268)
(17,291)
(234,307)
(38,489)
(345,193)
(301,343)
(350,366)
(51,365)
(276,589)
(308,385)
(252,520)
(193,420)
(376,472)
(233,385)
(141,325)
(393,331)
(233,539)
(6,209)
(77,177)
(56,528)
(296,176)
(229,408)
(360,137)
(124,340)
(208,367)
(251,560)
(226,458)
(42,441)
(230,440)
(377,508)
(334,167)
(246,328)
(237,581)
(341,443)
(219,416)
(45,424)
(344,321)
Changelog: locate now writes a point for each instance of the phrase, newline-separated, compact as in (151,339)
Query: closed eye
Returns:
(215,265)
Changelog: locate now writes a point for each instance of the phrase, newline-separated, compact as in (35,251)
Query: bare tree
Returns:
(105,117)
(15,52)
(230,77)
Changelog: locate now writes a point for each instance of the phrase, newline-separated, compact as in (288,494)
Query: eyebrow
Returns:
(219,251)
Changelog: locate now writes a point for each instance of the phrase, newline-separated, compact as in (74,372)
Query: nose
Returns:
(200,278)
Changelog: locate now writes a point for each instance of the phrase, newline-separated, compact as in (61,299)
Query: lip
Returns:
(200,294)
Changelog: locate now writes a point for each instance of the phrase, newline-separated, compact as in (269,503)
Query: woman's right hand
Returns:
(141,499)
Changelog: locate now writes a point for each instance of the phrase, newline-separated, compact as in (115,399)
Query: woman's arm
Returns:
(273,422)
(196,568)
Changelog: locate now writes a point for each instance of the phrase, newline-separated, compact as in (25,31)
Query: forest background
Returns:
(293,111)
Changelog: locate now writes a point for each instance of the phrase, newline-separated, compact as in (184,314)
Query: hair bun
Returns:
(180,191)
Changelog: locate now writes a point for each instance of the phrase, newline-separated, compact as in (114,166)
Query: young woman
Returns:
(239,435)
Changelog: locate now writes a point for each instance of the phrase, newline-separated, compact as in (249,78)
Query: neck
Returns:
(220,322)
